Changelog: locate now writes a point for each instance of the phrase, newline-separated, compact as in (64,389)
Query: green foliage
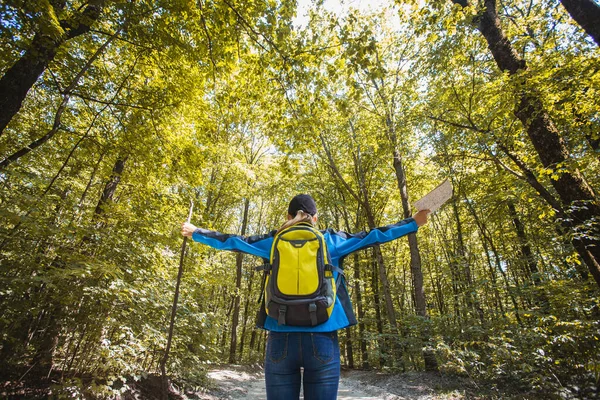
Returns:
(219,102)
(547,355)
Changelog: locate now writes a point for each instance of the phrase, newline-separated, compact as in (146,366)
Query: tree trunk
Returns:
(415,262)
(415,258)
(349,350)
(21,76)
(251,345)
(163,362)
(587,14)
(378,320)
(436,283)
(246,312)
(385,285)
(111,186)
(358,289)
(361,314)
(238,288)
(77,347)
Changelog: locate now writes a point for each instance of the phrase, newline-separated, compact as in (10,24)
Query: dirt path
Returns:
(235,382)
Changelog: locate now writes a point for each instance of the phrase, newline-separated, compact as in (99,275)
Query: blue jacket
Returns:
(339,244)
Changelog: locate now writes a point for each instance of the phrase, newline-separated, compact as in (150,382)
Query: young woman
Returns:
(313,348)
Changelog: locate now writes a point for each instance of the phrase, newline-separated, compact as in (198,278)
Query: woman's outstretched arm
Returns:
(257,245)
(346,243)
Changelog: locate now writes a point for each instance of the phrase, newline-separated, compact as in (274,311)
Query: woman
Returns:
(314,348)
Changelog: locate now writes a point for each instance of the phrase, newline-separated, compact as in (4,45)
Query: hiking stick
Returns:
(163,362)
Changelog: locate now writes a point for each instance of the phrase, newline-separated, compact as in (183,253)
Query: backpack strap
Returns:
(333,268)
(282,311)
(341,275)
(266,267)
(312,310)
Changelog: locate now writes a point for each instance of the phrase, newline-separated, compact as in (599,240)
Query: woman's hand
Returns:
(187,229)
(421,217)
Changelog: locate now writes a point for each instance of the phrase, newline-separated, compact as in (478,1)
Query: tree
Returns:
(50,36)
(577,196)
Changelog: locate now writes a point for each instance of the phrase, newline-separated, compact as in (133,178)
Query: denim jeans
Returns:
(317,353)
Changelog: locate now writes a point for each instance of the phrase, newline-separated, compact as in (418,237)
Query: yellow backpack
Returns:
(299,287)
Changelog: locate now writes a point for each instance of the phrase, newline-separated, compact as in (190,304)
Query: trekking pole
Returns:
(163,362)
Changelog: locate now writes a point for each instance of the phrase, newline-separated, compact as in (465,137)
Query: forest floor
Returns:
(247,382)
(233,382)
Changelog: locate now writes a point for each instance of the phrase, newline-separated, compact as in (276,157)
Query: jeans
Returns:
(318,353)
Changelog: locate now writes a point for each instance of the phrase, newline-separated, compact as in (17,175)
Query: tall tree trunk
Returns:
(361,314)
(349,350)
(223,341)
(387,295)
(378,319)
(587,14)
(580,202)
(246,313)
(358,291)
(251,345)
(415,261)
(238,289)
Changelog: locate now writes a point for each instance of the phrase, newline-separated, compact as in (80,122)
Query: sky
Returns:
(340,7)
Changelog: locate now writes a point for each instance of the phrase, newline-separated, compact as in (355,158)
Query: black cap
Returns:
(302,202)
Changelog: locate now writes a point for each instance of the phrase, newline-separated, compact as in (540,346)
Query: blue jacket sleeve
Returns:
(346,243)
(258,245)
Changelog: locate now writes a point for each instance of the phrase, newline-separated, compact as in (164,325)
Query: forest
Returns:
(116,114)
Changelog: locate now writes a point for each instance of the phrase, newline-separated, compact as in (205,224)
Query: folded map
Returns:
(436,198)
